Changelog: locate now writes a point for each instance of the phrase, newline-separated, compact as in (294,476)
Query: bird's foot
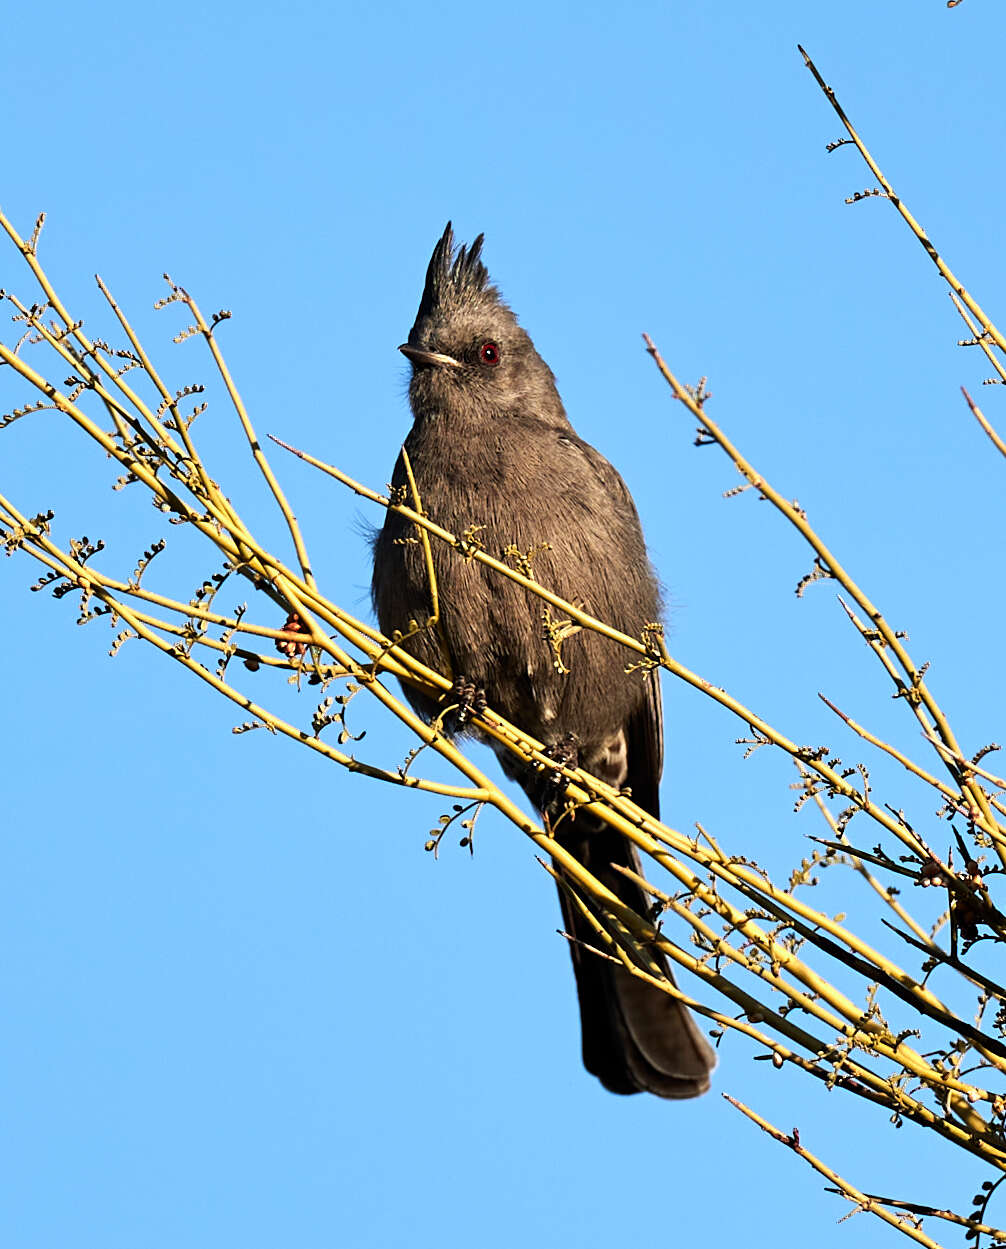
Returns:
(552,783)
(469,699)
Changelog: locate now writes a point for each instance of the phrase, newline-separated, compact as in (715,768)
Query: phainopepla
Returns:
(491,445)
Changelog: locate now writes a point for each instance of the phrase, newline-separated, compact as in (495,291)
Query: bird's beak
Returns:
(431,359)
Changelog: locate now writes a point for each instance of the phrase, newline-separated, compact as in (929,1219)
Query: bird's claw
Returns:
(566,753)
(470,700)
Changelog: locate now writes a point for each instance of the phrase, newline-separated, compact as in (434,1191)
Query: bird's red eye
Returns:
(489,353)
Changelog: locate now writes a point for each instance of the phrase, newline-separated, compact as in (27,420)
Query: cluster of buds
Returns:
(932,873)
(291,647)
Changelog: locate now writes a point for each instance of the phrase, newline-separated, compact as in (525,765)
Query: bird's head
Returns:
(469,356)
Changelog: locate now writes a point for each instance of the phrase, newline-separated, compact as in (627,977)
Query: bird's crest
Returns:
(455,277)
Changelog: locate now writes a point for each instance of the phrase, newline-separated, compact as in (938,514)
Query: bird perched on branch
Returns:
(491,446)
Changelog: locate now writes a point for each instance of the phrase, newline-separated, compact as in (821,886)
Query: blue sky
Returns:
(241,1005)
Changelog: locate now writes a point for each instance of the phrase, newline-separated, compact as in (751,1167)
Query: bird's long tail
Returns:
(636,1038)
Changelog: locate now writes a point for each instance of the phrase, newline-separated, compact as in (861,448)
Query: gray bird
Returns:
(491,445)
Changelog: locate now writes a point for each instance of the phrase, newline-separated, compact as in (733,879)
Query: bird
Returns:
(491,446)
